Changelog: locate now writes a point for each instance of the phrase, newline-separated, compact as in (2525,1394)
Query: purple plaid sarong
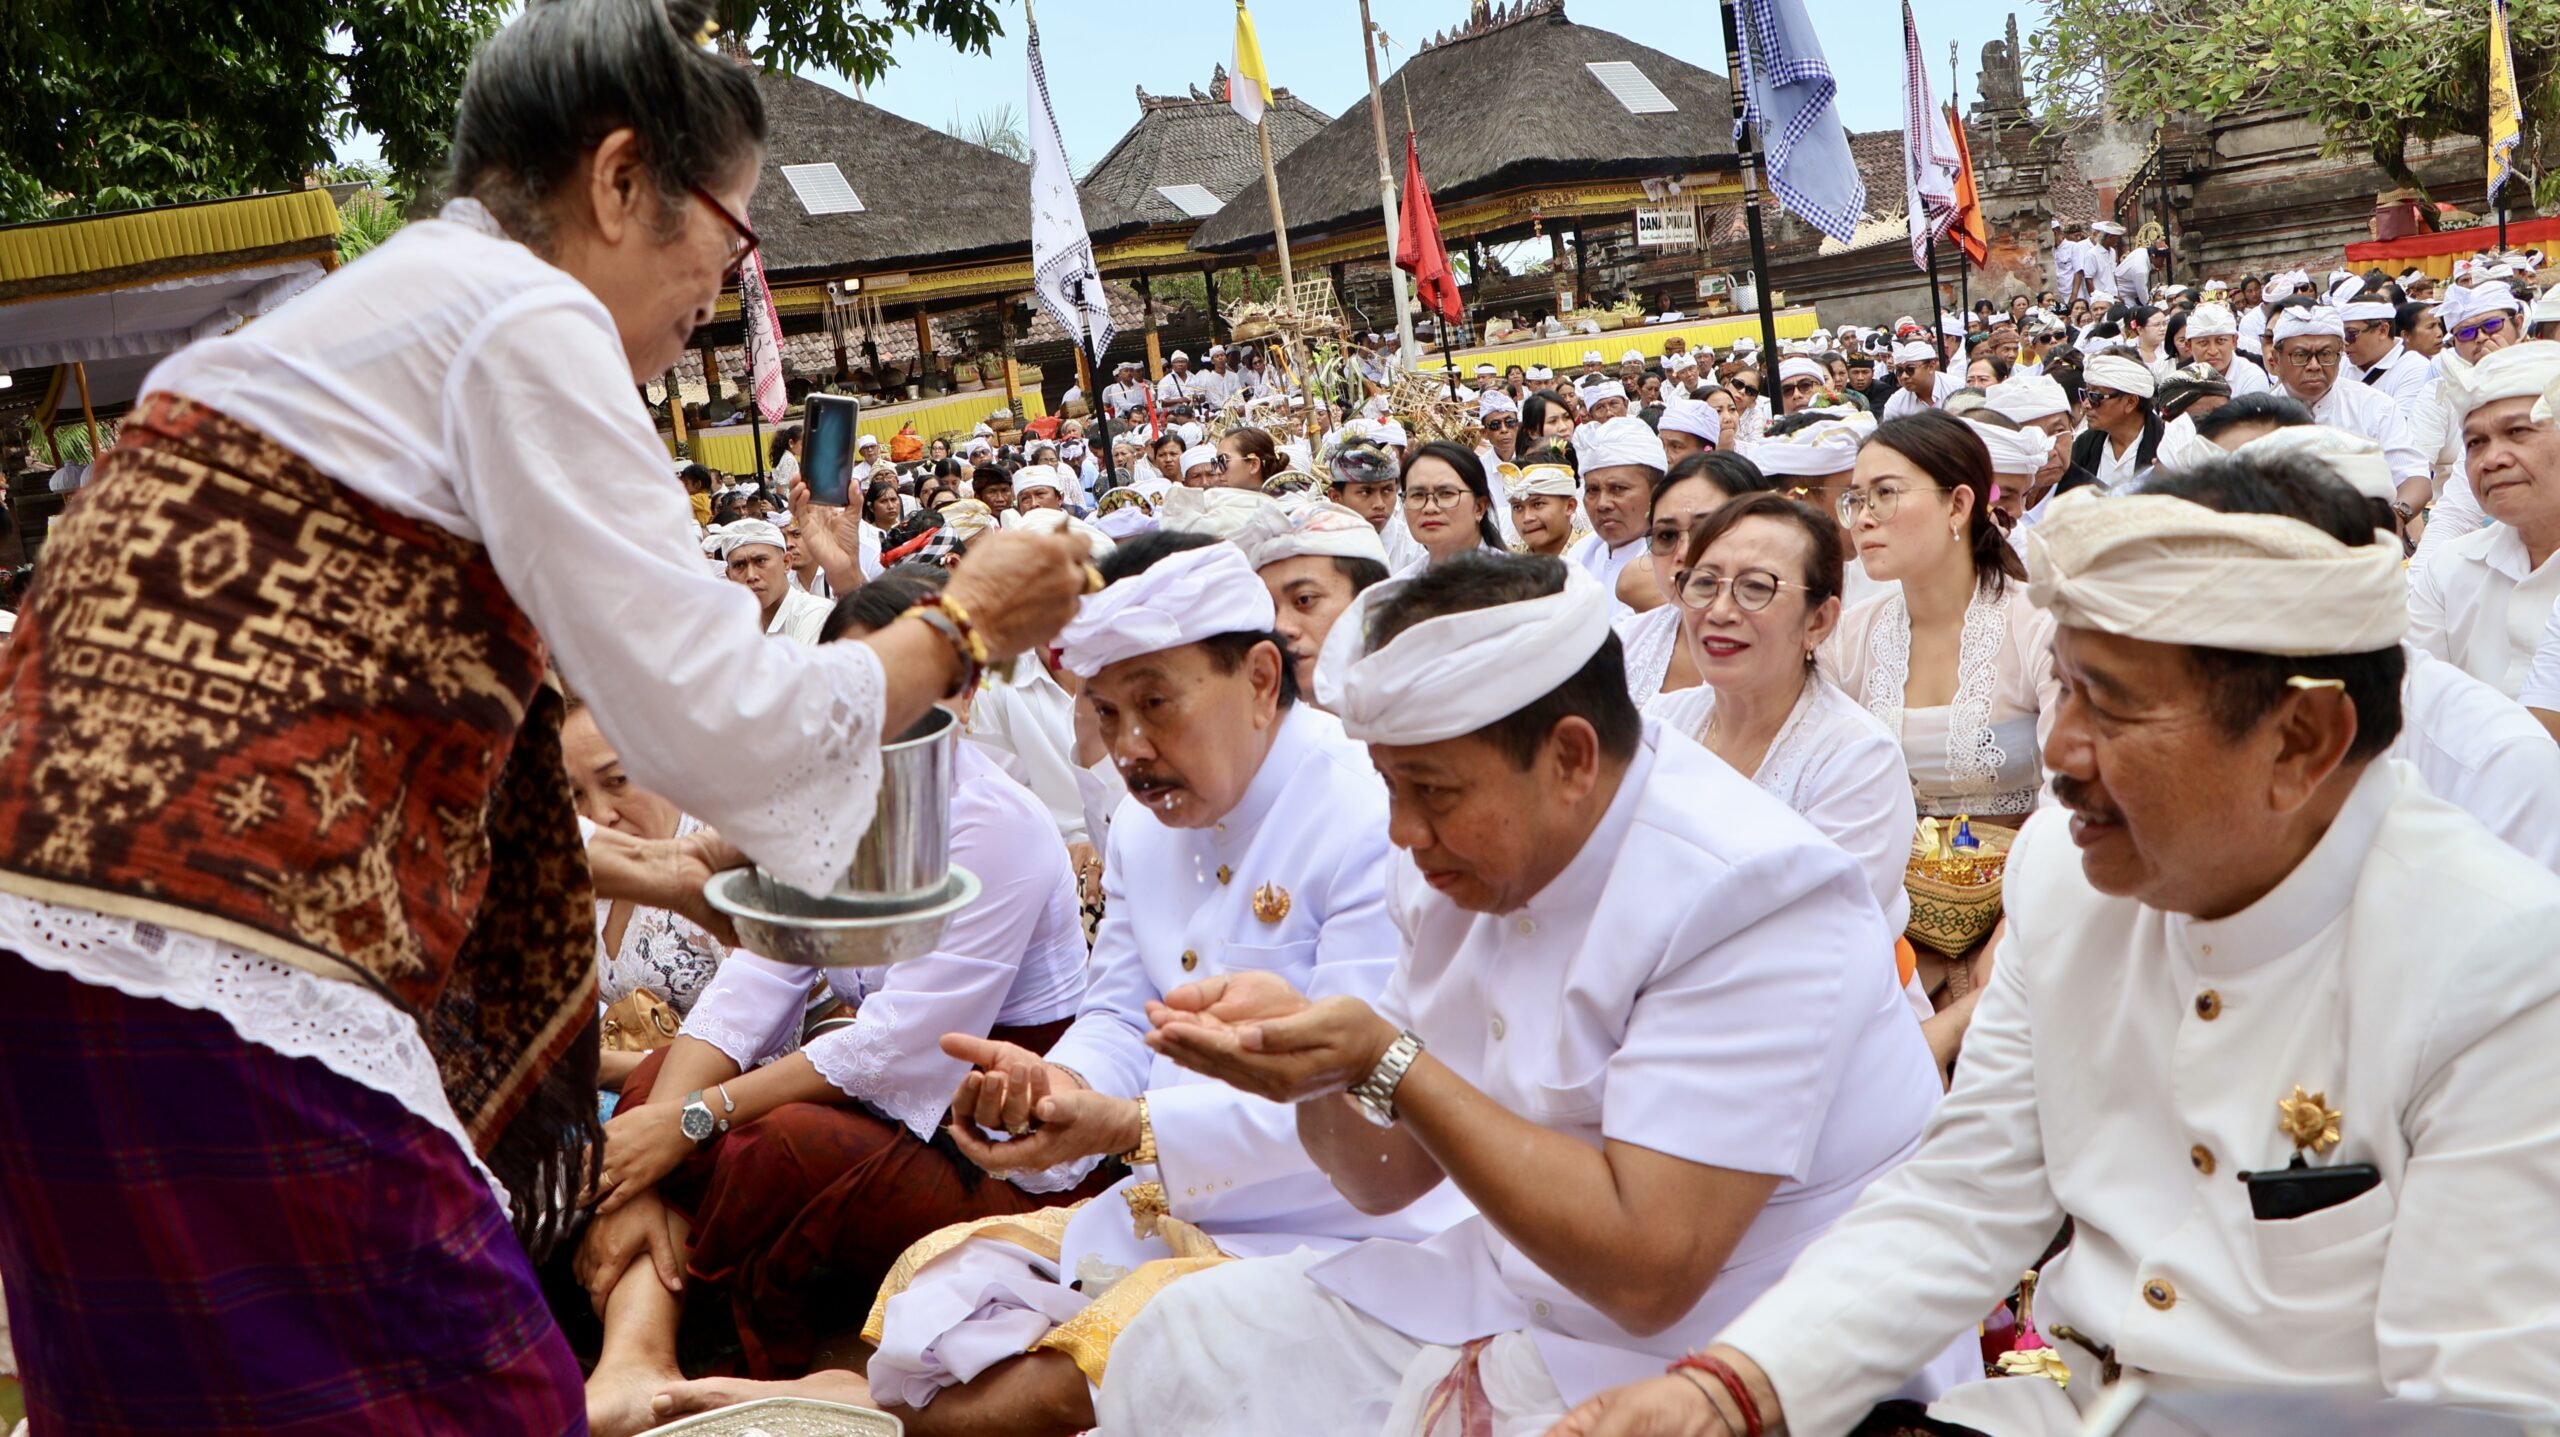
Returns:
(199,1235)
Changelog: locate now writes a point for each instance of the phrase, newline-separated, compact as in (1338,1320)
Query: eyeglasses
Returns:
(2095,397)
(744,243)
(1743,387)
(1800,386)
(1448,499)
(1907,371)
(1502,421)
(1883,501)
(2485,328)
(1219,464)
(2312,358)
(1753,589)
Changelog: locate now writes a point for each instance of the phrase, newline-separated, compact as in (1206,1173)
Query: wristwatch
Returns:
(1375,1095)
(700,1124)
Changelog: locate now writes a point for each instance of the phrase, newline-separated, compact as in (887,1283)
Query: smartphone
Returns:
(826,465)
(2283,1194)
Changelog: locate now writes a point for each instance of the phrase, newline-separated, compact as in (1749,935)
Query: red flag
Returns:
(1418,249)
(1969,228)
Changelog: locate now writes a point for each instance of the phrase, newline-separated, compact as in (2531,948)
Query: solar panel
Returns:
(1192,200)
(1640,95)
(822,189)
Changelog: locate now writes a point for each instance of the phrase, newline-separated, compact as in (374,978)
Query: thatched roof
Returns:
(1506,103)
(928,198)
(1194,139)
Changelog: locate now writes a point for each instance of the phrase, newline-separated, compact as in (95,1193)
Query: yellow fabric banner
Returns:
(2506,112)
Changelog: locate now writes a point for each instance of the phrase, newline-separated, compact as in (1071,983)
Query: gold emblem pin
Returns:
(2308,1119)
(1271,903)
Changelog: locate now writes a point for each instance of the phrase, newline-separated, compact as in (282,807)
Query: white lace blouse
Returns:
(1648,639)
(453,376)
(1983,753)
(1837,765)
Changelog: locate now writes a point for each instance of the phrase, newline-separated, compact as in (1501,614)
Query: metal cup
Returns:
(906,856)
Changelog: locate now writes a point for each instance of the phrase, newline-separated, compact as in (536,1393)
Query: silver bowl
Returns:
(789,926)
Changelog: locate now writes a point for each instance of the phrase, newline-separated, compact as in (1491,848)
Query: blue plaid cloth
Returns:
(1787,94)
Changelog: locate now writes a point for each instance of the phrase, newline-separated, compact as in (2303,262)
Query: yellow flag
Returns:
(2506,114)
(1248,84)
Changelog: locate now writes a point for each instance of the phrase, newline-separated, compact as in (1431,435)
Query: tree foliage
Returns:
(110,104)
(854,37)
(2373,74)
(997,128)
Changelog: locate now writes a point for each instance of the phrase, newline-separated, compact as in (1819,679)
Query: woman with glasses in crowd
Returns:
(1694,488)
(1448,502)
(1756,591)
(1952,658)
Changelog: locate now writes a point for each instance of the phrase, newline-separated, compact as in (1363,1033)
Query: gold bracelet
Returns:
(976,642)
(941,623)
(1144,1154)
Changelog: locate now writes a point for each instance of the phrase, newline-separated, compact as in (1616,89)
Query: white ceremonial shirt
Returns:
(1179,907)
(801,616)
(1121,398)
(1013,958)
(2245,377)
(2359,409)
(2401,377)
(1902,401)
(454,377)
(1219,386)
(2126,1064)
(1704,979)
(2480,751)
(1028,724)
(2479,603)
(1604,563)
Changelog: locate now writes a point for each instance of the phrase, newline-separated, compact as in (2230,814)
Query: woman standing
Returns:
(332,986)
(1693,488)
(1448,502)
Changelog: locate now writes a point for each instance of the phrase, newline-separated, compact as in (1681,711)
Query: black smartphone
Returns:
(827,465)
(2282,1194)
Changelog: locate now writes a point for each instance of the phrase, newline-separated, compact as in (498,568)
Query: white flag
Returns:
(1928,151)
(764,339)
(1063,273)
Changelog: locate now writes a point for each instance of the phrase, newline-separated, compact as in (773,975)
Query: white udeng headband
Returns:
(2148,566)
(1184,598)
(1452,675)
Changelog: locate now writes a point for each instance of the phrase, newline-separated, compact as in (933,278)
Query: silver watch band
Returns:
(1375,1095)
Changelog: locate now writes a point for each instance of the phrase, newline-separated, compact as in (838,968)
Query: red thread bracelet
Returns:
(1722,1371)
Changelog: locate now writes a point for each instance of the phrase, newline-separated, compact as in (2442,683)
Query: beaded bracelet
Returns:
(1722,1371)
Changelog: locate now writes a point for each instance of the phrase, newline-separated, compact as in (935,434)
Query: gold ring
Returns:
(1092,579)
(1018,1130)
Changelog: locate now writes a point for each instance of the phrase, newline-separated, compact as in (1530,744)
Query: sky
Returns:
(1099,51)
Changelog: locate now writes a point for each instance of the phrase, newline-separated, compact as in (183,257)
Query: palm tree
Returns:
(998,129)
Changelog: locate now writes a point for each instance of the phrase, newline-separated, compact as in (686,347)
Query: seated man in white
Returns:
(2240,944)
(2477,749)
(1254,839)
(1641,1022)
(2481,601)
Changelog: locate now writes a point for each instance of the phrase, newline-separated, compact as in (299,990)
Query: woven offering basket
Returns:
(1951,917)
